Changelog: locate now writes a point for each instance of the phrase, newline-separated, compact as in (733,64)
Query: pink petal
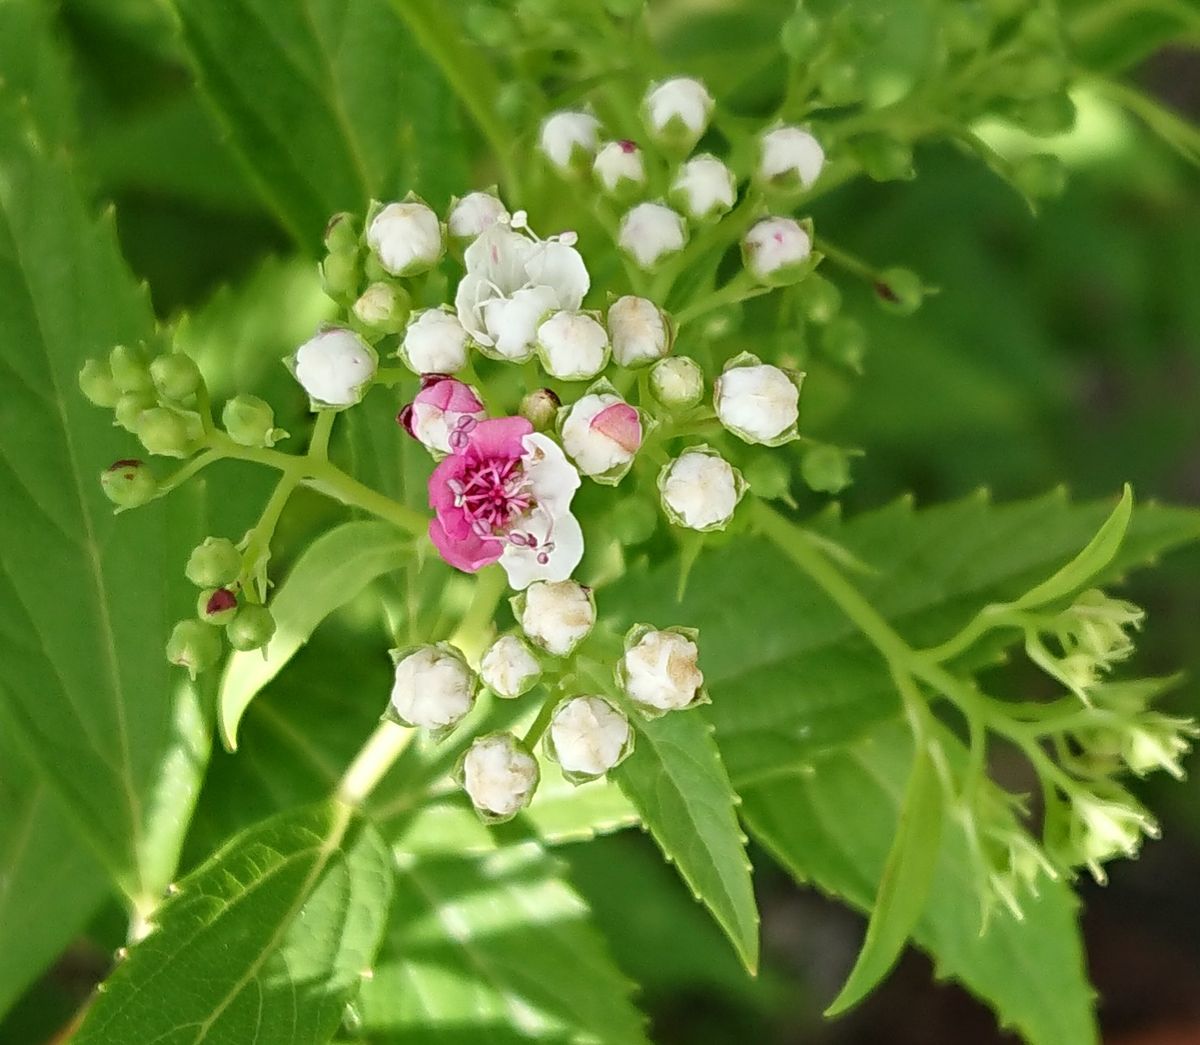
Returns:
(469,554)
(441,497)
(499,437)
(450,394)
(620,422)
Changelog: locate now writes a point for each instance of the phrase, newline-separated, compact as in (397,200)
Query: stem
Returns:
(331,480)
(475,628)
(845,260)
(540,724)
(373,760)
(741,288)
(318,443)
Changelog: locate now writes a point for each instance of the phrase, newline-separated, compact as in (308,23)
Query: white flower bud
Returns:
(508,668)
(790,158)
(757,402)
(775,250)
(620,169)
(473,213)
(569,139)
(406,237)
(334,367)
(602,433)
(573,346)
(588,737)
(499,776)
(700,489)
(677,112)
(650,232)
(640,331)
(378,307)
(434,342)
(704,188)
(677,382)
(556,615)
(433,688)
(659,669)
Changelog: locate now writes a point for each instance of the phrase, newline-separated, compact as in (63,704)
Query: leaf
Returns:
(1173,129)
(263,944)
(830,822)
(904,886)
(330,572)
(678,783)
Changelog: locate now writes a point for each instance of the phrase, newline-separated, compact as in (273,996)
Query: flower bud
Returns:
(650,232)
(130,408)
(382,308)
(800,35)
(826,469)
(845,341)
(194,646)
(676,113)
(555,615)
(703,188)
(216,606)
(251,422)
(334,367)
(659,670)
(442,413)
(406,237)
(883,156)
(569,140)
(341,234)
(769,477)
(602,433)
(540,407)
(176,376)
(214,563)
(433,687)
(756,401)
(620,169)
(776,251)
(251,628)
(1040,176)
(165,432)
(819,298)
(700,489)
(899,290)
(474,213)
(340,275)
(573,346)
(677,382)
(97,384)
(508,667)
(128,483)
(840,83)
(1044,117)
(588,737)
(790,159)
(434,342)
(640,331)
(129,370)
(499,776)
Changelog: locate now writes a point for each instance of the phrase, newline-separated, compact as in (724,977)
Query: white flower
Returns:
(602,433)
(556,614)
(700,489)
(406,237)
(512,282)
(589,736)
(677,111)
(444,410)
(639,330)
(499,775)
(433,688)
(334,367)
(790,157)
(775,249)
(757,401)
(677,382)
(651,231)
(659,671)
(508,667)
(569,138)
(704,188)
(434,342)
(620,168)
(473,213)
(573,345)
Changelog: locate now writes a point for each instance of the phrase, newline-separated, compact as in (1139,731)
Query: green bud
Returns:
(128,483)
(1041,75)
(845,341)
(1046,116)
(819,298)
(194,646)
(339,274)
(1040,176)
(769,476)
(899,290)
(341,234)
(826,469)
(840,83)
(540,408)
(129,370)
(165,432)
(382,308)
(97,384)
(130,408)
(251,629)
(176,376)
(677,382)
(883,157)
(634,520)
(214,563)
(251,422)
(800,36)
(216,606)
(966,27)
(491,26)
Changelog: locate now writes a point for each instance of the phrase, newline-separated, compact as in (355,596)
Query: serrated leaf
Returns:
(332,570)
(262,945)
(677,782)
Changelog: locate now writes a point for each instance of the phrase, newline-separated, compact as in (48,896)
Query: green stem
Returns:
(475,629)
(372,762)
(332,481)
(540,724)
(318,443)
(845,260)
(741,288)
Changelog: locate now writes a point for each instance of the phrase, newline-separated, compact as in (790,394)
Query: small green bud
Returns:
(251,422)
(1041,75)
(1046,116)
(129,370)
(769,476)
(634,520)
(819,298)
(840,83)
(677,382)
(1040,176)
(826,469)
(164,432)
(176,376)
(194,646)
(382,308)
(883,157)
(128,483)
(97,384)
(491,26)
(540,408)
(340,274)
(251,629)
(514,103)
(214,563)
(130,408)
(216,606)
(899,290)
(341,234)
(800,36)
(845,341)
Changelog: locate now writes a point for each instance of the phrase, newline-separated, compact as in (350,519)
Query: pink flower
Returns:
(504,495)
(442,414)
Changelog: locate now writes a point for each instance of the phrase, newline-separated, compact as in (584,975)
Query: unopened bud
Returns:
(128,483)
(442,413)
(899,290)
(194,646)
(406,237)
(176,376)
(640,331)
(129,370)
(704,189)
(677,382)
(555,615)
(651,232)
(776,251)
(569,140)
(800,36)
(214,563)
(499,776)
(251,629)
(340,275)
(97,384)
(826,469)
(474,214)
(334,367)
(700,489)
(588,737)
(840,83)
(819,298)
(166,432)
(620,169)
(432,688)
(540,408)
(883,156)
(602,434)
(434,342)
(216,606)
(508,668)
(659,670)
(250,421)
(491,26)
(341,234)
(382,309)
(573,346)
(676,113)
(845,341)
(130,408)
(769,477)
(790,159)
(756,401)
(633,520)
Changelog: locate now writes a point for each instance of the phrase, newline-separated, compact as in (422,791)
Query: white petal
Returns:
(512,322)
(560,267)
(551,476)
(521,564)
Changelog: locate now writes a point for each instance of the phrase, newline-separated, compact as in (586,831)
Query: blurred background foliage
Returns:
(1062,348)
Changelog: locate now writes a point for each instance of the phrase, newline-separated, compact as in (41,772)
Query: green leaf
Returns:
(830,822)
(1176,131)
(330,572)
(904,886)
(262,945)
(678,783)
